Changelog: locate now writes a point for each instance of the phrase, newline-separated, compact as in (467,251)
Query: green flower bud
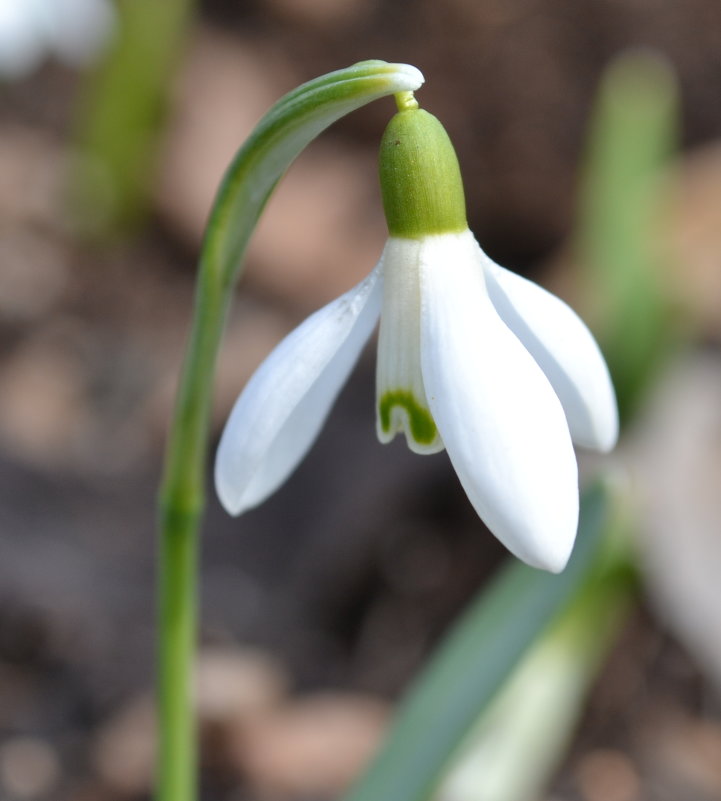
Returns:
(419,173)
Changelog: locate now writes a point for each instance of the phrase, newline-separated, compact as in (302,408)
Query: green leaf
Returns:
(123,111)
(622,228)
(473,663)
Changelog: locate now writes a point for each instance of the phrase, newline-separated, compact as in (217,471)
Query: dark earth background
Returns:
(319,606)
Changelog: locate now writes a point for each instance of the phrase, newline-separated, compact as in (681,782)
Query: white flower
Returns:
(72,30)
(471,357)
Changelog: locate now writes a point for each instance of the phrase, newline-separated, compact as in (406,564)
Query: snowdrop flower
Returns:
(72,30)
(471,358)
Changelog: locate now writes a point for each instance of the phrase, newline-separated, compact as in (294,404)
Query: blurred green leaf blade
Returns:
(622,233)
(123,111)
(473,663)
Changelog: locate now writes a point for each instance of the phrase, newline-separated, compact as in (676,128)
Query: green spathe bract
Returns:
(420,177)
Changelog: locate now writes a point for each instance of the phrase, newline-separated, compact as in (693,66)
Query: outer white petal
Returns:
(21,41)
(565,350)
(502,423)
(77,30)
(281,410)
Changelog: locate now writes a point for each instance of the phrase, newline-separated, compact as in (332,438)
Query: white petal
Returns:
(501,422)
(21,42)
(401,403)
(565,350)
(77,30)
(284,405)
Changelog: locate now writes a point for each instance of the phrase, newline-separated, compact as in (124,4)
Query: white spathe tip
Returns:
(409,77)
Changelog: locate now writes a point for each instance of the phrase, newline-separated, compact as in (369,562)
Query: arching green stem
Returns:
(279,137)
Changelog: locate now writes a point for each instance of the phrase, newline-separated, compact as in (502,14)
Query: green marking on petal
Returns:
(422,425)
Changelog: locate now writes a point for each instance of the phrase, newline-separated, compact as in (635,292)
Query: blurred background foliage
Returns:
(321,605)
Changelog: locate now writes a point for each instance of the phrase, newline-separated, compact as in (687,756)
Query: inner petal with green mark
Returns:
(400,402)
(401,398)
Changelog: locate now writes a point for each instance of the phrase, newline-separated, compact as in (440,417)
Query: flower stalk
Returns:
(279,137)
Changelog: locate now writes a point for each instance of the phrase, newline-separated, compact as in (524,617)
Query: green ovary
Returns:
(422,426)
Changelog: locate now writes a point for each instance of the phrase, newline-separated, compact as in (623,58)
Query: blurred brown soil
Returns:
(319,606)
